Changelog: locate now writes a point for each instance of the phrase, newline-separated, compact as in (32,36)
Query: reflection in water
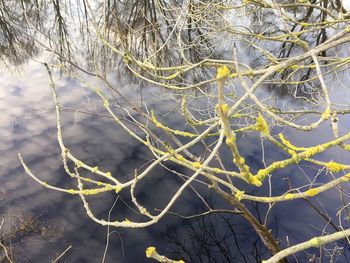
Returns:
(213,238)
(28,126)
(145,38)
(35,137)
(16,45)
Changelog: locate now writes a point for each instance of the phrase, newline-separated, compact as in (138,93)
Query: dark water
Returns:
(40,224)
(28,126)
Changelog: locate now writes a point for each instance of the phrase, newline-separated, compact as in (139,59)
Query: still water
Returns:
(59,221)
(40,224)
(28,125)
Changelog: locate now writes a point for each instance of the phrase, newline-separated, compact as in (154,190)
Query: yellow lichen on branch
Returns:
(326,114)
(312,192)
(151,252)
(335,167)
(289,144)
(223,72)
(167,129)
(239,195)
(261,125)
(197,165)
(289,196)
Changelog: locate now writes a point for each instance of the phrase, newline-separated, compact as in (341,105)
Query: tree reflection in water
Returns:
(206,59)
(217,237)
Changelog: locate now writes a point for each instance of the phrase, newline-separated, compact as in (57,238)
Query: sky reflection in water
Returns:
(28,125)
(35,137)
